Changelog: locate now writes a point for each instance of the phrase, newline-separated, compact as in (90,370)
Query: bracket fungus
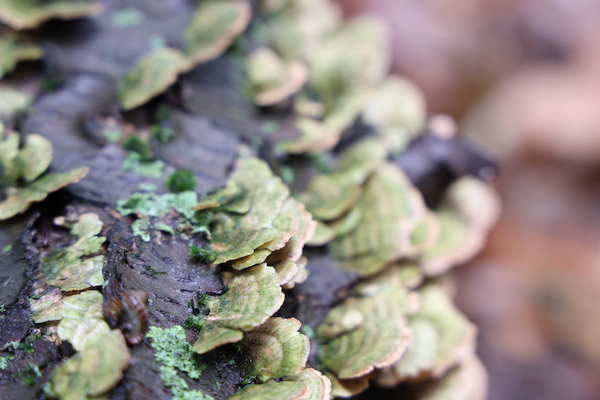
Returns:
(67,268)
(28,163)
(442,338)
(213,28)
(179,275)
(470,209)
(273,79)
(276,349)
(252,296)
(14,48)
(13,101)
(151,76)
(28,14)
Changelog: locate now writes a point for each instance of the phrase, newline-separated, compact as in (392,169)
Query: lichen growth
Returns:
(175,354)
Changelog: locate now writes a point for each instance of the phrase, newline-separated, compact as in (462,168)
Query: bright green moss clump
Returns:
(181,180)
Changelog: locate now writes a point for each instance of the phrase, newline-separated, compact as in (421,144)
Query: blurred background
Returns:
(522,77)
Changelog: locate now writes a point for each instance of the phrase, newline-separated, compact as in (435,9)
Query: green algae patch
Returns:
(252,296)
(71,268)
(276,349)
(151,76)
(175,355)
(28,14)
(28,163)
(213,28)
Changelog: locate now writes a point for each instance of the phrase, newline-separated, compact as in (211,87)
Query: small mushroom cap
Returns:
(392,208)
(345,388)
(252,296)
(470,210)
(259,201)
(214,26)
(285,390)
(298,28)
(15,48)
(272,78)
(468,381)
(276,348)
(319,384)
(19,201)
(442,338)
(26,14)
(330,196)
(94,370)
(82,318)
(151,76)
(66,269)
(315,137)
(397,110)
(374,336)
(13,101)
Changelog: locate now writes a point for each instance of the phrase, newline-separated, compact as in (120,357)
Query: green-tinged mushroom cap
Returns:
(319,384)
(363,334)
(27,14)
(397,110)
(13,101)
(276,349)
(273,79)
(82,319)
(314,138)
(20,200)
(14,49)
(67,268)
(329,196)
(285,390)
(347,387)
(94,370)
(360,50)
(248,219)
(252,296)
(468,381)
(391,210)
(213,28)
(151,76)
(470,209)
(442,338)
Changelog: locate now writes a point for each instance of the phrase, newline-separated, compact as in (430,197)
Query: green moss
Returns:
(162,133)
(31,374)
(181,180)
(195,321)
(202,254)
(135,163)
(175,354)
(5,360)
(137,145)
(151,269)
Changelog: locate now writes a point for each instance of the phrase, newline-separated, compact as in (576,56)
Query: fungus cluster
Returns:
(236,252)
